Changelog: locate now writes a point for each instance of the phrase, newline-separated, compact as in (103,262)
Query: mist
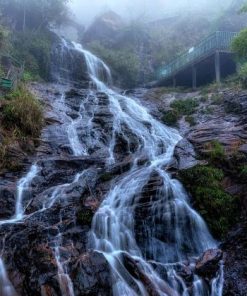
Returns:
(86,10)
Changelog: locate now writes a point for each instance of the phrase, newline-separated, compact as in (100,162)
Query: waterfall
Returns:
(173,235)
(6,288)
(113,228)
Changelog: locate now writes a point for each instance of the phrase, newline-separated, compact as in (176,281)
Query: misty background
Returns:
(86,10)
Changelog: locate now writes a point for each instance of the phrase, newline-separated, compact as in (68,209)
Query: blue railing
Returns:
(216,41)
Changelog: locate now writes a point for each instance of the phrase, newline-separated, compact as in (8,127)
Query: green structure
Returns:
(12,72)
(214,46)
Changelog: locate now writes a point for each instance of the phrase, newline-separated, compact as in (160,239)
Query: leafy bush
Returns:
(170,117)
(23,112)
(191,120)
(216,99)
(34,50)
(239,45)
(243,75)
(209,198)
(185,107)
(243,172)
(216,151)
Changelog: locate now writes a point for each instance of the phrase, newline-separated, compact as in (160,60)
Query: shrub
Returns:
(216,151)
(239,45)
(210,199)
(216,99)
(185,107)
(191,120)
(170,117)
(23,112)
(243,75)
(243,172)
(34,50)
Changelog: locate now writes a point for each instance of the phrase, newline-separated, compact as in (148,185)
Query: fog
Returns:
(86,10)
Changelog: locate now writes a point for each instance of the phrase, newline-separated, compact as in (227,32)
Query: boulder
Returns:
(185,155)
(208,264)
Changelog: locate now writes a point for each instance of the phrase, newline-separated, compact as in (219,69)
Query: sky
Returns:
(86,10)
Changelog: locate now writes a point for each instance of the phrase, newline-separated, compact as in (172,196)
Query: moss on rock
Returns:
(217,207)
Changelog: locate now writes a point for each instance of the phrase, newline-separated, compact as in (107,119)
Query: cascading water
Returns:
(140,266)
(113,226)
(6,288)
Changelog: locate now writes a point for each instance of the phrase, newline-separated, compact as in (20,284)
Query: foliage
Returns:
(243,75)
(185,107)
(4,34)
(239,45)
(216,151)
(34,50)
(105,177)
(34,14)
(170,117)
(124,62)
(209,197)
(23,112)
(216,99)
(191,120)
(243,173)
(244,8)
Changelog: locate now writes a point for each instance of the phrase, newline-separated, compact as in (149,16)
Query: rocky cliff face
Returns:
(220,116)
(106,27)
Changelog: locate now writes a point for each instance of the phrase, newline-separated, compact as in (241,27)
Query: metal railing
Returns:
(216,41)
(12,71)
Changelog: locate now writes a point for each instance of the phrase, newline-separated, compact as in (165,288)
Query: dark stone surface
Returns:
(208,264)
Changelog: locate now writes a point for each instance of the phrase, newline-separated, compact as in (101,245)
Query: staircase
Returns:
(217,42)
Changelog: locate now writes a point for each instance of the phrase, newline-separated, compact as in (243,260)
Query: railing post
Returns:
(194,77)
(217,67)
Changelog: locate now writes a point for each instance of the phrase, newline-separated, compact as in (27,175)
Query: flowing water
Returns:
(157,261)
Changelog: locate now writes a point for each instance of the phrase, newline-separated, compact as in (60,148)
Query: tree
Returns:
(244,8)
(239,45)
(34,14)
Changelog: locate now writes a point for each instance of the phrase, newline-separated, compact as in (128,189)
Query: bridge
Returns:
(208,61)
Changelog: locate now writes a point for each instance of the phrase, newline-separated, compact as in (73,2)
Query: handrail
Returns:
(219,40)
(13,70)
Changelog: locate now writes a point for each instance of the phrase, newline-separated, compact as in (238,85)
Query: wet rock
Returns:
(91,273)
(135,269)
(208,264)
(7,201)
(235,261)
(185,155)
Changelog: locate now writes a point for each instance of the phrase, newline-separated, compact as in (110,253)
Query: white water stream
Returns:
(113,228)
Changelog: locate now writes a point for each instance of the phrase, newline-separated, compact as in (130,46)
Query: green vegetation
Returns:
(244,8)
(243,173)
(217,207)
(23,113)
(124,63)
(216,99)
(105,177)
(35,50)
(34,14)
(215,151)
(170,117)
(243,75)
(185,107)
(191,120)
(180,108)
(85,218)
(239,45)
